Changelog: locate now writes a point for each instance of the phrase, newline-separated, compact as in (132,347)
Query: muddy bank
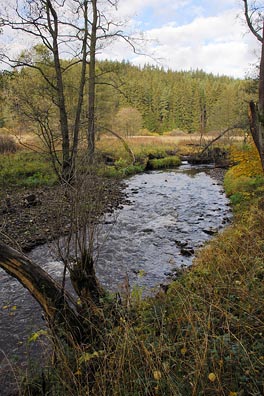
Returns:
(27,215)
(218,174)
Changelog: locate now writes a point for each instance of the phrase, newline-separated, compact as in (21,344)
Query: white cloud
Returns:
(217,44)
(214,43)
(135,7)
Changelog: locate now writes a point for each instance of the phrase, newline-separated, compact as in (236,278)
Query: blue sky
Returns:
(181,12)
(176,34)
(189,34)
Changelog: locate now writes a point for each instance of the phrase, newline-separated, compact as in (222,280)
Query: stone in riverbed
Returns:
(181,244)
(147,230)
(188,251)
(210,231)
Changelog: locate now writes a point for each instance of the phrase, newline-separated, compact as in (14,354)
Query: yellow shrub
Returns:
(247,161)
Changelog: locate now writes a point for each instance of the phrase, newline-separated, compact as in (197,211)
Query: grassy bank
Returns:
(30,169)
(27,169)
(205,335)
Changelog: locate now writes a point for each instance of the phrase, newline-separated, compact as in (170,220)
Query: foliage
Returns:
(180,100)
(245,179)
(246,160)
(164,100)
(128,121)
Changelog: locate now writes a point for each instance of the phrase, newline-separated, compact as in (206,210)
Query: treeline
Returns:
(190,101)
(128,98)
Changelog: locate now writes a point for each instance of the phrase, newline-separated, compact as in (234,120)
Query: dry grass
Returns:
(172,139)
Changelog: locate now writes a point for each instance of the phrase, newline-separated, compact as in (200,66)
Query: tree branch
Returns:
(218,137)
(249,22)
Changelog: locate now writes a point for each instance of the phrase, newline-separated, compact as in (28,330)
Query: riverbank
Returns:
(27,214)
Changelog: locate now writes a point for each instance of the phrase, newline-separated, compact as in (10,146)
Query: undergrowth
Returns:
(31,169)
(7,144)
(26,169)
(245,180)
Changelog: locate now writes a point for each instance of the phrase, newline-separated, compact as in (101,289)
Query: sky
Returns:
(189,34)
(211,35)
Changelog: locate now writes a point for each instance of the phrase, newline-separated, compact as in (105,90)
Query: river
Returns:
(171,214)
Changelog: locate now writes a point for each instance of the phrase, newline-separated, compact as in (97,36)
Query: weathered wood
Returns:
(61,318)
(219,137)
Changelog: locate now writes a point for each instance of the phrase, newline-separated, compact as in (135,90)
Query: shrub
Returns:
(7,144)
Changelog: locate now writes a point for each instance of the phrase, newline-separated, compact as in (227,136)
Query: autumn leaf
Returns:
(36,335)
(183,351)
(212,377)
(157,375)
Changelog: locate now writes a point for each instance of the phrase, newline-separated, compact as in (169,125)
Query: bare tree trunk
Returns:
(85,283)
(260,134)
(91,86)
(62,319)
(256,113)
(53,28)
(81,87)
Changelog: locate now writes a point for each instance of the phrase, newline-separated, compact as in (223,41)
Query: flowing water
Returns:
(171,214)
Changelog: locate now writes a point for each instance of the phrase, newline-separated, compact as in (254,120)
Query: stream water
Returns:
(171,215)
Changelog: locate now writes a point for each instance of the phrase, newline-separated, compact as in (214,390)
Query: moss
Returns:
(162,163)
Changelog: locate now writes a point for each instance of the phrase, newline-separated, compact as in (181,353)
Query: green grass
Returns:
(26,169)
(242,189)
(149,154)
(120,172)
(30,169)
(212,321)
(161,163)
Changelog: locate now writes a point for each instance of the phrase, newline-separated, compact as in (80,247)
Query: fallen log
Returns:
(61,317)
